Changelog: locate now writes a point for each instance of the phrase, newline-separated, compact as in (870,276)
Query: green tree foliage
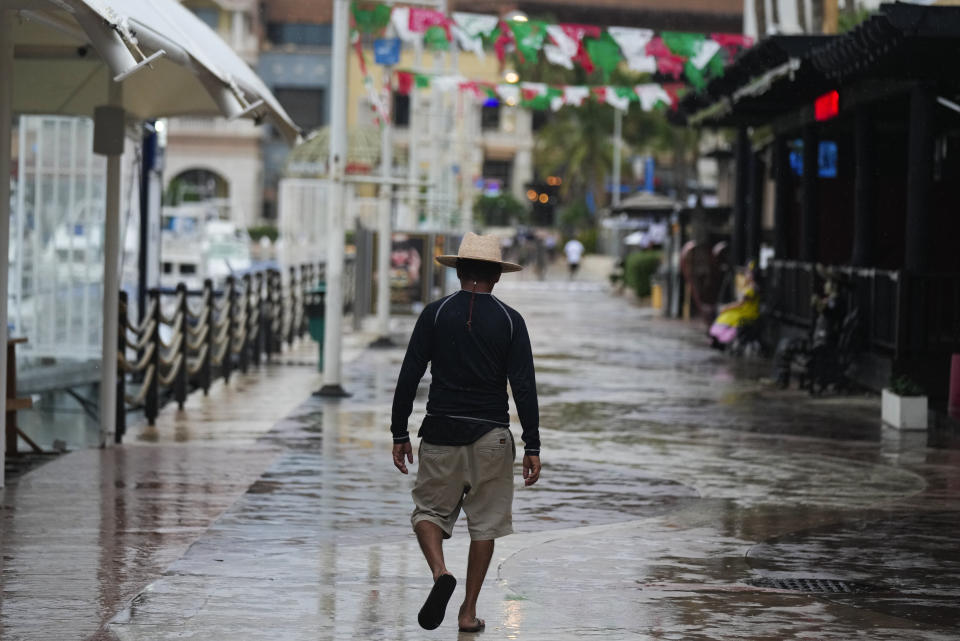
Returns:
(263,231)
(576,145)
(499,211)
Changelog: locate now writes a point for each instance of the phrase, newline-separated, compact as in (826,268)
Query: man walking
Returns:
(475,345)
(574,251)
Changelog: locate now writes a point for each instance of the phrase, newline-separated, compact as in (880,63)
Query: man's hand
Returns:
(405,450)
(531,469)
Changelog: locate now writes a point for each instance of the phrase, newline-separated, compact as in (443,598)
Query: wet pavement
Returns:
(679,493)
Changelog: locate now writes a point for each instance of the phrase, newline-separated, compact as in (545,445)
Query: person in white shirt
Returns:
(574,251)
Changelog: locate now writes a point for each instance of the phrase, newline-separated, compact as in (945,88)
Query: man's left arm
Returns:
(523,384)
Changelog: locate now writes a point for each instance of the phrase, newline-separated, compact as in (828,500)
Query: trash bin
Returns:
(313,307)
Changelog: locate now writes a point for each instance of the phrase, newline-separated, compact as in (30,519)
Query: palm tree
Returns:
(576,145)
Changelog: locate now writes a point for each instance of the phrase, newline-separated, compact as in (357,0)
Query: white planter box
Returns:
(904,412)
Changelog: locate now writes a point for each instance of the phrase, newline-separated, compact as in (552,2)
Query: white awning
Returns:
(171,63)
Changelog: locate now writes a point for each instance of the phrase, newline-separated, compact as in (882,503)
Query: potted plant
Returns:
(904,404)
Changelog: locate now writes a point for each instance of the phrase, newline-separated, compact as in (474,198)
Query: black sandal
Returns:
(431,614)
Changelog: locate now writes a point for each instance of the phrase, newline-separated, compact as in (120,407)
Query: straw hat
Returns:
(474,247)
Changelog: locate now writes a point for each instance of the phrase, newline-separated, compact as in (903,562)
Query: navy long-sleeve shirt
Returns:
(470,369)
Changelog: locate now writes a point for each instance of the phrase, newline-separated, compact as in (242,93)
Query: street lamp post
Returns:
(333,305)
(383,222)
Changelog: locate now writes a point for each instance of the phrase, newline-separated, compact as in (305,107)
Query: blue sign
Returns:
(826,158)
(386,51)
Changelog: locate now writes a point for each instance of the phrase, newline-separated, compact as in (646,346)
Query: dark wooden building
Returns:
(852,142)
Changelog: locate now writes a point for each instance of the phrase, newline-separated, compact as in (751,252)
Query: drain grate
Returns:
(828,586)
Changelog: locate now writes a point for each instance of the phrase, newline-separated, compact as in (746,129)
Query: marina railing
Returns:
(189,339)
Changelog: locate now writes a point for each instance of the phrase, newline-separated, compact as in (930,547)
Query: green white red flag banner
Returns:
(542,96)
(693,57)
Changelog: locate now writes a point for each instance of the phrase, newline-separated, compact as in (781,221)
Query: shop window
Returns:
(401,110)
(490,117)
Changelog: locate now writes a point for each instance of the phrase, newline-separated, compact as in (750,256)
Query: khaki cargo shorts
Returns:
(477,477)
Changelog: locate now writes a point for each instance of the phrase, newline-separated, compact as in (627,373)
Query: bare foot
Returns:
(468,621)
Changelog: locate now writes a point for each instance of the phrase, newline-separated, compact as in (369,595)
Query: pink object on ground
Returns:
(723,333)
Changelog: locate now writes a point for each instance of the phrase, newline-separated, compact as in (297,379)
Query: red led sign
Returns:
(827,106)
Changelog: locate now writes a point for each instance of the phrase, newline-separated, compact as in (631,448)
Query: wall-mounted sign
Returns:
(827,106)
(827,153)
(386,51)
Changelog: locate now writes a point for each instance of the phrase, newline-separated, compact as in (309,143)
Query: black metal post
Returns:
(864,190)
(809,224)
(256,303)
(181,381)
(245,303)
(295,305)
(738,249)
(754,220)
(919,180)
(123,312)
(148,164)
(206,368)
(151,404)
(230,291)
(783,196)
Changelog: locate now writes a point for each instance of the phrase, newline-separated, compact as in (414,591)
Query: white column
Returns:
(111,291)
(6,120)
(383,219)
(332,338)
(617,153)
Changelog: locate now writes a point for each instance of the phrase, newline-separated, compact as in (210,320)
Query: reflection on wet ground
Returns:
(674,478)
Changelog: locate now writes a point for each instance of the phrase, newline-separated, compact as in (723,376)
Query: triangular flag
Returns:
(732,42)
(371,20)
(651,95)
(671,65)
(422,80)
(400,18)
(577,32)
(617,99)
(708,49)
(675,90)
(685,45)
(404,82)
(471,28)
(528,38)
(633,44)
(422,19)
(447,83)
(604,52)
(575,95)
(503,40)
(533,90)
(563,49)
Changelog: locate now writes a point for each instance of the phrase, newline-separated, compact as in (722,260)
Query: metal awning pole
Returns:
(6,122)
(111,290)
(333,307)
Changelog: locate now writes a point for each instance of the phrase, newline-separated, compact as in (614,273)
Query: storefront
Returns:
(875,113)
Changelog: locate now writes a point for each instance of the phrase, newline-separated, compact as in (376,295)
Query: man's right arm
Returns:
(414,365)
